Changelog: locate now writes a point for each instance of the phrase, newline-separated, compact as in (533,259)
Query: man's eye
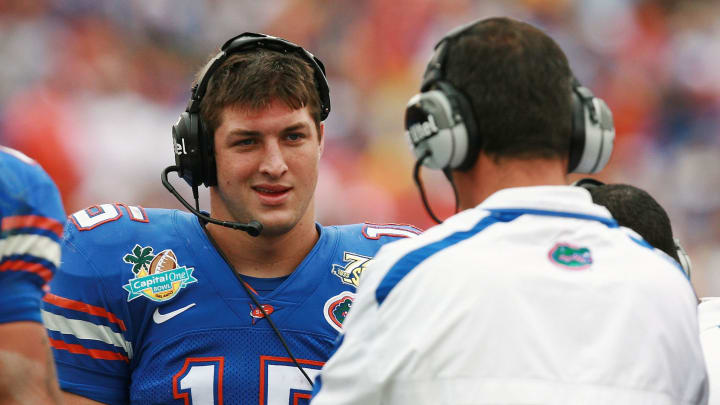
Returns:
(295,136)
(245,142)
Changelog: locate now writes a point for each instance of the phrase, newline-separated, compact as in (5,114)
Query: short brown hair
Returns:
(517,80)
(254,80)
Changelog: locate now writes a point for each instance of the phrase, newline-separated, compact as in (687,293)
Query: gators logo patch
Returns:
(337,308)
(570,257)
(351,272)
(158,277)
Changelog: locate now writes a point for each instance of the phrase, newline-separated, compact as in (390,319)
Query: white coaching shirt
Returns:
(709,313)
(533,297)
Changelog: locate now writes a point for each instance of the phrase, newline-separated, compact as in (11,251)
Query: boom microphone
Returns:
(253,228)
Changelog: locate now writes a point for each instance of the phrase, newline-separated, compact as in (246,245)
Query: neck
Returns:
(489,176)
(266,255)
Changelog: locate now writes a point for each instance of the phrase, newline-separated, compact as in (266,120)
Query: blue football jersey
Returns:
(144,310)
(31,223)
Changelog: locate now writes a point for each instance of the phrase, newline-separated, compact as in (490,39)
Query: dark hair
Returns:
(518,82)
(636,209)
(255,79)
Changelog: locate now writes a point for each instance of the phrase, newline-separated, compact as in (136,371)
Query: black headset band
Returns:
(435,69)
(249,41)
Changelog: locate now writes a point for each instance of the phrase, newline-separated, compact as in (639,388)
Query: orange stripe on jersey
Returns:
(83,307)
(263,359)
(250,288)
(94,353)
(300,395)
(22,265)
(32,221)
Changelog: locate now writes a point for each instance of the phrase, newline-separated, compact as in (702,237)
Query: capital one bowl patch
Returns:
(570,257)
(337,308)
(158,277)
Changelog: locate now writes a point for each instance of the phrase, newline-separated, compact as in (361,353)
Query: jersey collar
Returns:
(552,200)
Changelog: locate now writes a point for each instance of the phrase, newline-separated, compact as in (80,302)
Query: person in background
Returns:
(634,208)
(31,223)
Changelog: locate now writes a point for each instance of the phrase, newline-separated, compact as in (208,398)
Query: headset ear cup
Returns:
(606,131)
(469,133)
(431,127)
(577,132)
(685,262)
(593,132)
(187,150)
(207,146)
(441,121)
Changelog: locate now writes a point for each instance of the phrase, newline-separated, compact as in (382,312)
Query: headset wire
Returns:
(257,304)
(419,183)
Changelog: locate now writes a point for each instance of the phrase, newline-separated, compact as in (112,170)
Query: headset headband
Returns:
(248,41)
(435,69)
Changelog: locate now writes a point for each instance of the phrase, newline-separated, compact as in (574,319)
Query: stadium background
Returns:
(91,88)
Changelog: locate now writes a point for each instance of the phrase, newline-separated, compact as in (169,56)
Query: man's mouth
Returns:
(268,189)
(272,194)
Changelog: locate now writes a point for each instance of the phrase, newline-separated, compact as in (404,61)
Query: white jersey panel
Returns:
(709,314)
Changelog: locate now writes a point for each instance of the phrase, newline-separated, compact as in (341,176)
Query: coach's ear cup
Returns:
(593,132)
(430,126)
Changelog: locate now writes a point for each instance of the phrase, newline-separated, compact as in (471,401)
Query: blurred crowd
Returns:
(91,88)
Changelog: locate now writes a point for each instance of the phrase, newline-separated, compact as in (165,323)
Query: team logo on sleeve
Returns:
(351,272)
(337,308)
(158,277)
(570,257)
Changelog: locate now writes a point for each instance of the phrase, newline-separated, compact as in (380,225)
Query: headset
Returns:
(193,145)
(684,257)
(442,130)
(685,263)
(194,155)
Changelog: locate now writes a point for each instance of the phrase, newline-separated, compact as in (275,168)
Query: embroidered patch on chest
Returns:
(570,257)
(257,314)
(337,308)
(157,277)
(351,272)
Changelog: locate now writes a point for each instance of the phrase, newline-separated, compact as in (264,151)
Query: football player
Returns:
(31,223)
(240,305)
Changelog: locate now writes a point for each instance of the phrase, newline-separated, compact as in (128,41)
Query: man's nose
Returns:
(273,163)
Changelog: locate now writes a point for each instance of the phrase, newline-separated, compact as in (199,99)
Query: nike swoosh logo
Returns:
(160,318)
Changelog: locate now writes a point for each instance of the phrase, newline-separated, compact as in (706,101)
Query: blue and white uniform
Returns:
(535,296)
(145,311)
(31,223)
